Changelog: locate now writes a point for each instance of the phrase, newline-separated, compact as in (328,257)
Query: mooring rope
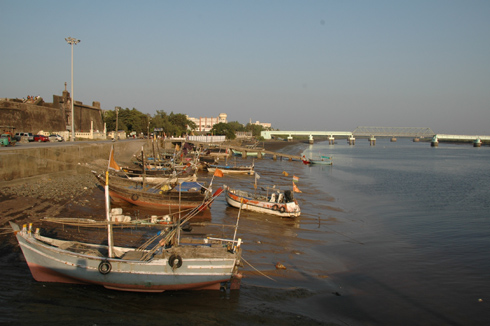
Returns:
(270,278)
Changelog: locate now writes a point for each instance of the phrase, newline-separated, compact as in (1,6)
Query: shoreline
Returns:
(29,199)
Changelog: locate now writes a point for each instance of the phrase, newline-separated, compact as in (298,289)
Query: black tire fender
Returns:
(275,208)
(134,197)
(172,259)
(282,209)
(105,267)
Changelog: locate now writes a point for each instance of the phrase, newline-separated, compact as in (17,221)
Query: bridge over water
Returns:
(358,132)
(372,132)
(410,132)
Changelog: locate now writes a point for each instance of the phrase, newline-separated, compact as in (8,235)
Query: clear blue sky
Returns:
(301,65)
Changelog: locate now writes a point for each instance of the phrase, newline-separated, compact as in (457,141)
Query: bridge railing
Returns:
(393,132)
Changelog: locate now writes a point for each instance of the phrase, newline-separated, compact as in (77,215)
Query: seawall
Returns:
(20,163)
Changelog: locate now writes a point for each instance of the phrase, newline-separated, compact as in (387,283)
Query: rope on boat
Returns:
(270,278)
(172,233)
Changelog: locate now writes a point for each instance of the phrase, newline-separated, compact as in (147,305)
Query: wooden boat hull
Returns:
(251,153)
(146,196)
(232,170)
(153,179)
(237,198)
(195,268)
(320,162)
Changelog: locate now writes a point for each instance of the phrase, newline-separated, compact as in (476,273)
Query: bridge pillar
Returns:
(393,139)
(351,140)
(477,142)
(434,142)
(416,139)
(259,154)
(331,140)
(290,138)
(372,141)
(310,139)
(274,157)
(244,154)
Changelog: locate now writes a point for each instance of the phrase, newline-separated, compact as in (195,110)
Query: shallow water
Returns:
(392,234)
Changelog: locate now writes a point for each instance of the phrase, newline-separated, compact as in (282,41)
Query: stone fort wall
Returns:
(34,115)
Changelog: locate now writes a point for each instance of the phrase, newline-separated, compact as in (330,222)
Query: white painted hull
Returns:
(247,201)
(231,170)
(202,267)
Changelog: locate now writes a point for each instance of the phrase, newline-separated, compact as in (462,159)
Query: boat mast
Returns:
(180,211)
(237,219)
(144,165)
(108,216)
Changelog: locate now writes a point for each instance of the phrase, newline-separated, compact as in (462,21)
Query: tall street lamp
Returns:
(117,122)
(149,119)
(72,41)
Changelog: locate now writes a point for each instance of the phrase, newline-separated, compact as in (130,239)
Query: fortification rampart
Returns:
(34,115)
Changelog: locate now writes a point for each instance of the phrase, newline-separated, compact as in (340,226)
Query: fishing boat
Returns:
(322,160)
(162,263)
(166,196)
(250,152)
(305,160)
(216,152)
(158,178)
(230,169)
(276,203)
(120,220)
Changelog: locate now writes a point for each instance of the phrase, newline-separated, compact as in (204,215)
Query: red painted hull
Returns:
(43,274)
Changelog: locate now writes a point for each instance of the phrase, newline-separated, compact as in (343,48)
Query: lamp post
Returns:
(72,41)
(149,119)
(116,136)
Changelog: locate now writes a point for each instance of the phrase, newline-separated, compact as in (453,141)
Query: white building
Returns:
(206,124)
(266,125)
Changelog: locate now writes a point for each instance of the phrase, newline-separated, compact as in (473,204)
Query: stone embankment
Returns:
(24,162)
(38,181)
(57,173)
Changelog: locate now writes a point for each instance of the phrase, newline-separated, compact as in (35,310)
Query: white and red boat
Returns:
(163,263)
(180,267)
(276,203)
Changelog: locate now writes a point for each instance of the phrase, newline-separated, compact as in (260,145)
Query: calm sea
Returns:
(392,234)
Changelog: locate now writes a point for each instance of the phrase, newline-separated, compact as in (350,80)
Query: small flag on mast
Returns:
(218,173)
(112,163)
(295,178)
(295,189)
(285,173)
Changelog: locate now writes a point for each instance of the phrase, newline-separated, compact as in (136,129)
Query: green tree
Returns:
(109,118)
(224,129)
(128,120)
(173,124)
(255,129)
(236,126)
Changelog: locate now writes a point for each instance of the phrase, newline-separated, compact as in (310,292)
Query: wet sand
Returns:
(71,194)
(269,242)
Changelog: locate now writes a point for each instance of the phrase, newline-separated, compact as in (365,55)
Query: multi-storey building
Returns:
(206,124)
